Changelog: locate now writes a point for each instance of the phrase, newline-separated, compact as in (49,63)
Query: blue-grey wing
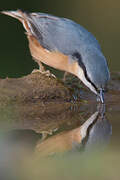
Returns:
(60,34)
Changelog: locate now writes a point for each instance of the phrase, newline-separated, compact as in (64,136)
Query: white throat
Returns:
(81,76)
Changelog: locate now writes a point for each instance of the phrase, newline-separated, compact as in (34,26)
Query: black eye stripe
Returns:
(90,80)
(81,64)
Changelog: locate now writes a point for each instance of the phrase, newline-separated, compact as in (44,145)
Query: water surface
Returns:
(80,142)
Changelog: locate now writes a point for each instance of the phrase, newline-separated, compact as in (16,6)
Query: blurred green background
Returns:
(102,18)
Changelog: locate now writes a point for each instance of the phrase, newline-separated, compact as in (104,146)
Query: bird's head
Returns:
(93,70)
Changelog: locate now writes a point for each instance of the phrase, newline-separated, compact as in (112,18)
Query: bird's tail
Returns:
(22,17)
(16,14)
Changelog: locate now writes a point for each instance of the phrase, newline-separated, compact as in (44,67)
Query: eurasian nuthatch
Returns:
(65,45)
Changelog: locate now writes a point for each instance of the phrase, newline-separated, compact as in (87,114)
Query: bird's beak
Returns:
(101,95)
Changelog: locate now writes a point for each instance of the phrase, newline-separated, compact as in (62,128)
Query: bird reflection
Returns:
(97,131)
(94,132)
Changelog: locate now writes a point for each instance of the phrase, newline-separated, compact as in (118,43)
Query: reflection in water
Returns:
(18,147)
(95,132)
(99,131)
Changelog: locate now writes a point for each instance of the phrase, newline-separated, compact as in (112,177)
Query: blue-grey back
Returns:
(61,34)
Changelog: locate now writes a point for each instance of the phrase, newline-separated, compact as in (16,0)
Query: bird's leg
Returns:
(43,71)
(41,67)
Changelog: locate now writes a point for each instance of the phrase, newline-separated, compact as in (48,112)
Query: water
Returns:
(80,142)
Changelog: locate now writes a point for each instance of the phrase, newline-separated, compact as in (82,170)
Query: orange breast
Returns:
(54,59)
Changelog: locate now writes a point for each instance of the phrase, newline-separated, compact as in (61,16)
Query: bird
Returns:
(65,45)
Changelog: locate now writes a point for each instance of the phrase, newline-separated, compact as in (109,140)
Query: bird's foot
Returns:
(47,73)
